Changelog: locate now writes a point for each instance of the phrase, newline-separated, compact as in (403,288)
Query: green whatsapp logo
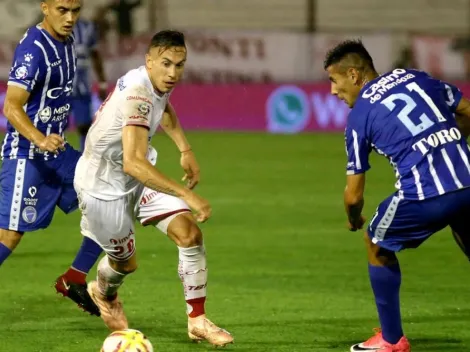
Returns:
(287,110)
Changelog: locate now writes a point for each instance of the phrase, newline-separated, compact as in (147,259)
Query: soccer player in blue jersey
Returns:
(38,164)
(86,41)
(408,117)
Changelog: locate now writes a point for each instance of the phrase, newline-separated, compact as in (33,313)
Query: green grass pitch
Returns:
(284,273)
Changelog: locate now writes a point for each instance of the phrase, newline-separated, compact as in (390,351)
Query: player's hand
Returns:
(51,143)
(191,169)
(201,207)
(356,224)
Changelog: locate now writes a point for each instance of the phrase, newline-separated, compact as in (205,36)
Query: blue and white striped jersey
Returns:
(408,117)
(85,42)
(45,67)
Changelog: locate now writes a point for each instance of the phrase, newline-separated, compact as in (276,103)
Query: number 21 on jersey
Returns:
(410,105)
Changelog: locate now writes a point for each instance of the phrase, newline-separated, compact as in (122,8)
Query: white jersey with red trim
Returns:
(133,102)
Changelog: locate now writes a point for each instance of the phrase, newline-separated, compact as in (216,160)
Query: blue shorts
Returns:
(31,189)
(82,111)
(399,223)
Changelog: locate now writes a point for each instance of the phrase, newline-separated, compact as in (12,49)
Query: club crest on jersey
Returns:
(45,114)
(21,72)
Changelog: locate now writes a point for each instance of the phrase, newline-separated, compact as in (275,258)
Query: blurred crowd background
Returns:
(258,64)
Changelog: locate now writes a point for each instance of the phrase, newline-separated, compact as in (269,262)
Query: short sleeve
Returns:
(452,95)
(28,67)
(357,148)
(136,107)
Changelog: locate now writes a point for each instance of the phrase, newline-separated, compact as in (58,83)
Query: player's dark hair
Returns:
(167,39)
(351,50)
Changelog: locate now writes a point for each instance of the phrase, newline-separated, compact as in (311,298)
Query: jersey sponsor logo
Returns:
(138,117)
(385,83)
(437,139)
(136,97)
(32,191)
(55,93)
(21,72)
(288,110)
(148,197)
(122,240)
(31,201)
(57,114)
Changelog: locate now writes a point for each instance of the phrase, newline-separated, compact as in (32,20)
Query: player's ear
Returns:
(44,8)
(354,75)
(148,60)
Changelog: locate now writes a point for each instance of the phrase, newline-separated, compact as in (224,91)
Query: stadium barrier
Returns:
(273,108)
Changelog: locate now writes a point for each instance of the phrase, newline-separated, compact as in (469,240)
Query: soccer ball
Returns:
(128,340)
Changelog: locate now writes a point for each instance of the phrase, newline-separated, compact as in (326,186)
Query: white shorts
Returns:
(111,223)
(156,208)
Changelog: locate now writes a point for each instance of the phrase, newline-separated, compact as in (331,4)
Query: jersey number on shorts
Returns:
(130,248)
(404,114)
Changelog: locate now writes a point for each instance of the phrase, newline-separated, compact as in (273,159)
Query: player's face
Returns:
(165,67)
(61,16)
(344,84)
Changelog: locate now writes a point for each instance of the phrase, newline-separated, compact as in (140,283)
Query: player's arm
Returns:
(135,163)
(358,149)
(458,105)
(135,112)
(462,115)
(354,199)
(16,98)
(172,127)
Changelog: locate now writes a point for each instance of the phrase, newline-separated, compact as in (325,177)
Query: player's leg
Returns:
(385,279)
(461,230)
(72,283)
(192,269)
(111,224)
(27,202)
(8,242)
(104,291)
(397,224)
(82,113)
(172,216)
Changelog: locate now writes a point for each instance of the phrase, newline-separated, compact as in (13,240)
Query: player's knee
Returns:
(185,233)
(125,266)
(10,238)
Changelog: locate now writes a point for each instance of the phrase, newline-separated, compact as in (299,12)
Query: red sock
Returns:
(197,305)
(75,276)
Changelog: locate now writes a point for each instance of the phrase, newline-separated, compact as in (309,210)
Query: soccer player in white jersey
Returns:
(116,183)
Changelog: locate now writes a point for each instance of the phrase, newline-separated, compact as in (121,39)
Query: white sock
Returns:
(192,271)
(109,280)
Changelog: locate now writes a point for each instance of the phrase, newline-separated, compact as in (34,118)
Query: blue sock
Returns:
(82,143)
(87,255)
(4,253)
(385,281)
